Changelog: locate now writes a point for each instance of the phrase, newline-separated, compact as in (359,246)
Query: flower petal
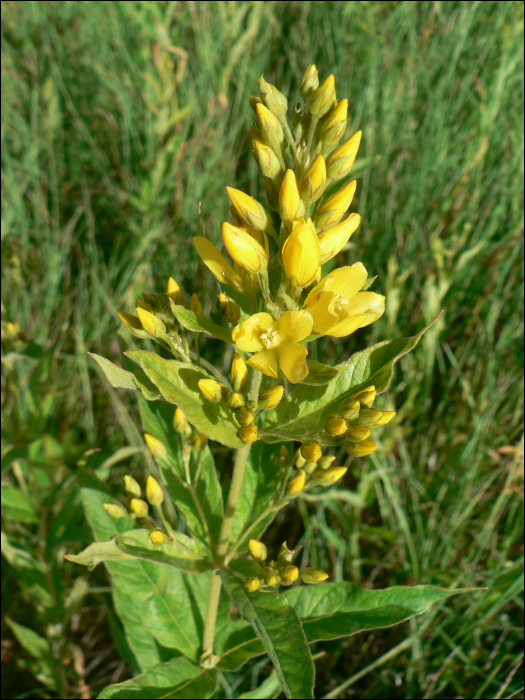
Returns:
(292,361)
(345,281)
(265,362)
(246,335)
(362,310)
(322,311)
(216,263)
(295,325)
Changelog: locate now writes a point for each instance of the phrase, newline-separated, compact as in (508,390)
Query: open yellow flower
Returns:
(337,306)
(277,343)
(301,253)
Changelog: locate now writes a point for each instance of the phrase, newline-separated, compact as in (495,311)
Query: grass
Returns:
(119,118)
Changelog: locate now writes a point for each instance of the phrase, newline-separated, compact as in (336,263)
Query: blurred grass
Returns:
(119,118)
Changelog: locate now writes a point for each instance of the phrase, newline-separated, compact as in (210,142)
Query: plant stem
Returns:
(208,660)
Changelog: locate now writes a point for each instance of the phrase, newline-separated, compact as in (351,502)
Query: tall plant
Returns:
(179,557)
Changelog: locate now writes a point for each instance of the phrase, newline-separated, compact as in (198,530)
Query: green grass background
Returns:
(118,118)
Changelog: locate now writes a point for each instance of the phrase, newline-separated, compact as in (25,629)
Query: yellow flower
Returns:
(133,324)
(333,241)
(310,81)
(341,160)
(151,324)
(301,254)
(216,263)
(174,292)
(289,575)
(244,249)
(138,507)
(156,447)
(313,182)
(338,307)
(229,309)
(296,485)
(360,449)
(277,343)
(154,493)
(249,210)
(115,510)
(335,207)
(248,434)
(291,206)
(327,477)
(132,487)
(269,125)
(271,398)
(333,125)
(257,550)
(157,537)
(314,576)
(265,156)
(252,584)
(195,305)
(322,99)
(238,373)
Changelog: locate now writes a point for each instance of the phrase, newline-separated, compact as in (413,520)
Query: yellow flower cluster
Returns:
(282,571)
(294,304)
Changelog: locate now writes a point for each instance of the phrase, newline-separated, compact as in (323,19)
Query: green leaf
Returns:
(333,610)
(151,600)
(181,552)
(177,382)
(279,628)
(156,419)
(198,324)
(98,552)
(178,678)
(260,485)
(40,649)
(122,379)
(319,374)
(306,409)
(17,506)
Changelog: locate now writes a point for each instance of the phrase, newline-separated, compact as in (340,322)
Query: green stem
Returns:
(311,132)
(208,660)
(265,289)
(288,134)
(271,509)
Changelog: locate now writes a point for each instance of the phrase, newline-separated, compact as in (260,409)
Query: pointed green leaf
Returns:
(122,379)
(178,678)
(150,600)
(333,610)
(32,642)
(319,374)
(157,419)
(177,382)
(181,552)
(278,627)
(198,324)
(307,408)
(98,552)
(17,506)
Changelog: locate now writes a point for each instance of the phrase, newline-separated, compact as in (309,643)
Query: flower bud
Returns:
(296,485)
(272,578)
(244,249)
(327,477)
(310,468)
(138,507)
(332,128)
(199,442)
(174,292)
(235,401)
(335,207)
(370,417)
(132,487)
(334,240)
(132,324)
(360,449)
(314,576)
(271,398)
(291,206)
(265,156)
(212,390)
(301,254)
(180,422)
(340,161)
(252,584)
(366,397)
(254,101)
(311,451)
(154,492)
(238,373)
(326,462)
(257,550)
(335,426)
(350,409)
(156,447)
(313,182)
(284,457)
(270,126)
(286,556)
(323,98)
(157,537)
(151,324)
(245,416)
(272,98)
(309,82)
(247,434)
(115,510)
(386,417)
(299,460)
(195,305)
(230,310)
(155,301)
(356,433)
(259,236)
(250,211)
(216,263)
(141,304)
(289,575)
